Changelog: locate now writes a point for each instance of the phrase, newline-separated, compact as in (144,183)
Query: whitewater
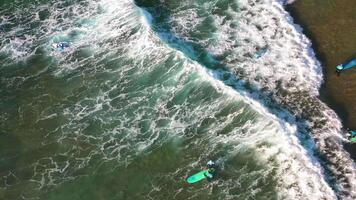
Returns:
(151,90)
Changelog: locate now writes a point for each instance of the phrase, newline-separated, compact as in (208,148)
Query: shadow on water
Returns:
(158,15)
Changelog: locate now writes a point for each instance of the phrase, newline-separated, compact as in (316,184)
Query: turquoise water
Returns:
(134,106)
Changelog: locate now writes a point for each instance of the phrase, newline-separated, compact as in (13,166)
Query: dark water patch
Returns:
(10,151)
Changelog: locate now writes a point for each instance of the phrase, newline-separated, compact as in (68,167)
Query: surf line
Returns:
(158,18)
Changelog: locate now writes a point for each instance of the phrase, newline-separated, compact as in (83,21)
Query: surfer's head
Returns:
(210,164)
(339,67)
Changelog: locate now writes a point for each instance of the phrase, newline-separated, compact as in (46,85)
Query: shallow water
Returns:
(148,92)
(334,48)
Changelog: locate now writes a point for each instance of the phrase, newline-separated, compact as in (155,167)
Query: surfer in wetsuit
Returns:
(62,45)
(211,170)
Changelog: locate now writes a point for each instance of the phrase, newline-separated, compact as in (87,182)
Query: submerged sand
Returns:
(331,25)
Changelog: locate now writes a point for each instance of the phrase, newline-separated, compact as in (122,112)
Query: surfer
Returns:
(61,45)
(211,170)
(204,174)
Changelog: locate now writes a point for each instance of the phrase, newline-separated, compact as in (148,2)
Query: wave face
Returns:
(150,90)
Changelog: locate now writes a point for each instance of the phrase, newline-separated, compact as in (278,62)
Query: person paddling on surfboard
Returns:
(204,174)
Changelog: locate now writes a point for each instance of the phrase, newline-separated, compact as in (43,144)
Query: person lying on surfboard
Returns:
(203,174)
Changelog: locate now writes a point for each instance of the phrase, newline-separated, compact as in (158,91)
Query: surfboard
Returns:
(353,139)
(348,65)
(197,177)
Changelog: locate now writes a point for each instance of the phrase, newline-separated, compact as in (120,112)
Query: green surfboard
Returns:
(197,177)
(353,139)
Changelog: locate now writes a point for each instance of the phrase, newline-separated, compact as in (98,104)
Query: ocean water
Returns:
(150,90)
